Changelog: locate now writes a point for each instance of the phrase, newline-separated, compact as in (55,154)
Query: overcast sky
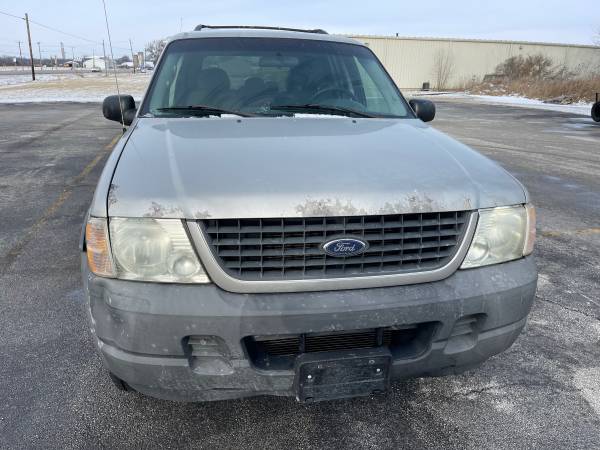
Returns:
(575,21)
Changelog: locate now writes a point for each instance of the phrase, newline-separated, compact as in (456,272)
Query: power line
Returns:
(12,15)
(56,30)
(64,32)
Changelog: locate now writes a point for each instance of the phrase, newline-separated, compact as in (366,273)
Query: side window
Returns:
(166,84)
(375,100)
(171,85)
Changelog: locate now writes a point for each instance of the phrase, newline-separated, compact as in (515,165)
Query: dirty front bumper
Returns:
(188,342)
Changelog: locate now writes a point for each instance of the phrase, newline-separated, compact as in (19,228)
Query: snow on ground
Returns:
(7,80)
(67,87)
(583,109)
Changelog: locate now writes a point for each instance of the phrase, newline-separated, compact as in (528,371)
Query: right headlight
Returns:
(154,250)
(502,234)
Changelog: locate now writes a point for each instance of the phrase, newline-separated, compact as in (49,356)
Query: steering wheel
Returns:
(332,92)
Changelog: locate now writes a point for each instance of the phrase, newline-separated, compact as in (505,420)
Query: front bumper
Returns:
(142,328)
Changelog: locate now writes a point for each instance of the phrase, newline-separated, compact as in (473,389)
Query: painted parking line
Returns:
(582,232)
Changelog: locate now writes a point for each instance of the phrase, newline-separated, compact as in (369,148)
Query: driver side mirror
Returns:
(424,109)
(112,110)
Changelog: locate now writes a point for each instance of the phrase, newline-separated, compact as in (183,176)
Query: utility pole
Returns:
(20,56)
(105,61)
(73,60)
(40,53)
(132,58)
(94,58)
(30,49)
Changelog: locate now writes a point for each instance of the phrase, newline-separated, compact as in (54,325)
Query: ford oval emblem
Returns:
(345,247)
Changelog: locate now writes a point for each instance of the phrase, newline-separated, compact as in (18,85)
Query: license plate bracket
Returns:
(336,375)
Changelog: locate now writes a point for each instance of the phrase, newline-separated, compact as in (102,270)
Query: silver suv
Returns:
(278,219)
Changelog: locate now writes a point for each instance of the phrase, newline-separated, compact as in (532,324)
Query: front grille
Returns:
(290,248)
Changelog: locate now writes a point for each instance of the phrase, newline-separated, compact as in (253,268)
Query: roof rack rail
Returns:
(251,27)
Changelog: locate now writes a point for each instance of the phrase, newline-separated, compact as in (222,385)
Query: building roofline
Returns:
(483,41)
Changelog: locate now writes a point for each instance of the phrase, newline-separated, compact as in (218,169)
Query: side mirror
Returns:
(424,109)
(112,110)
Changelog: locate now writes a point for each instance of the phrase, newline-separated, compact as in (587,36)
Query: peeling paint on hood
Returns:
(295,167)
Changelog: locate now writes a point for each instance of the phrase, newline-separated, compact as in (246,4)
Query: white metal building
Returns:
(412,61)
(95,62)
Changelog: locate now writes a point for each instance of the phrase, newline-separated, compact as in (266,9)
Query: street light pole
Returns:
(132,57)
(105,62)
(40,53)
(20,56)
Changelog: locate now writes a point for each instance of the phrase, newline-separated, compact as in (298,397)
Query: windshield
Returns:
(264,76)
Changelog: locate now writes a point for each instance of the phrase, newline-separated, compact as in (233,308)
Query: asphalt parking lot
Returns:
(54,393)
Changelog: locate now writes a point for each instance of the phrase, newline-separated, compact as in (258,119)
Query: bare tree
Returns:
(443,68)
(596,38)
(154,49)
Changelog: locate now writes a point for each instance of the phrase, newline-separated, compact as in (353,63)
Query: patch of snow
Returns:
(317,116)
(582,108)
(10,80)
(69,87)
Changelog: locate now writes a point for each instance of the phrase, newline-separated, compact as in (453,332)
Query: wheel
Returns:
(120,384)
(596,112)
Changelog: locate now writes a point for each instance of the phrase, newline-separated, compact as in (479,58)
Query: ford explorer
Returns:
(279,220)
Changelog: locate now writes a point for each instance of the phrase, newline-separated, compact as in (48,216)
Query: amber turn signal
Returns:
(98,249)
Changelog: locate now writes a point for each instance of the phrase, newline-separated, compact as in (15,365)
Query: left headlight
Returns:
(154,250)
(502,234)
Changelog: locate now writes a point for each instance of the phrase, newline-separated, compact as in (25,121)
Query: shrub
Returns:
(532,66)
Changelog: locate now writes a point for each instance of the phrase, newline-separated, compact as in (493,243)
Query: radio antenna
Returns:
(112,57)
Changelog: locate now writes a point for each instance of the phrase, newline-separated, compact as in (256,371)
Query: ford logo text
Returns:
(345,247)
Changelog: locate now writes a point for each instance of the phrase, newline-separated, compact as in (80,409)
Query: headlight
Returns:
(502,234)
(154,250)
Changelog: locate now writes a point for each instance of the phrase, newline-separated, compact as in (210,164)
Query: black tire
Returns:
(596,112)
(120,384)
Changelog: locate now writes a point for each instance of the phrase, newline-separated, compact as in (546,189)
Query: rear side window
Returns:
(257,74)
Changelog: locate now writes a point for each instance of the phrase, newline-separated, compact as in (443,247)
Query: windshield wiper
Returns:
(324,109)
(208,110)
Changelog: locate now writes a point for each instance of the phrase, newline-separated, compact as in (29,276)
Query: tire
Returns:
(596,112)
(120,384)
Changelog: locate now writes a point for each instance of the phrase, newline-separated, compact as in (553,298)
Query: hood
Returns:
(226,167)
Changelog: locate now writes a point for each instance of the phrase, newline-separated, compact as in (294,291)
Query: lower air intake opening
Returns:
(279,352)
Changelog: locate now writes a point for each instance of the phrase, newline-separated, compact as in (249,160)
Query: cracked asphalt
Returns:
(544,392)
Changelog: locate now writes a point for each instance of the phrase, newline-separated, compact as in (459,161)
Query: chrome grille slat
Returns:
(290,248)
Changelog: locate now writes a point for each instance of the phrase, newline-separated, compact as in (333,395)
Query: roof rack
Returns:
(251,27)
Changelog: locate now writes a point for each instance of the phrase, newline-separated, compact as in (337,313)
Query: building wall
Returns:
(411,61)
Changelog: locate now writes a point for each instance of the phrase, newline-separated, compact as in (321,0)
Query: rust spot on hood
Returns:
(157,211)
(328,207)
(112,194)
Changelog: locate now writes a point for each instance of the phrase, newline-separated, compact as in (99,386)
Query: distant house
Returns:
(71,64)
(95,62)
(126,65)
